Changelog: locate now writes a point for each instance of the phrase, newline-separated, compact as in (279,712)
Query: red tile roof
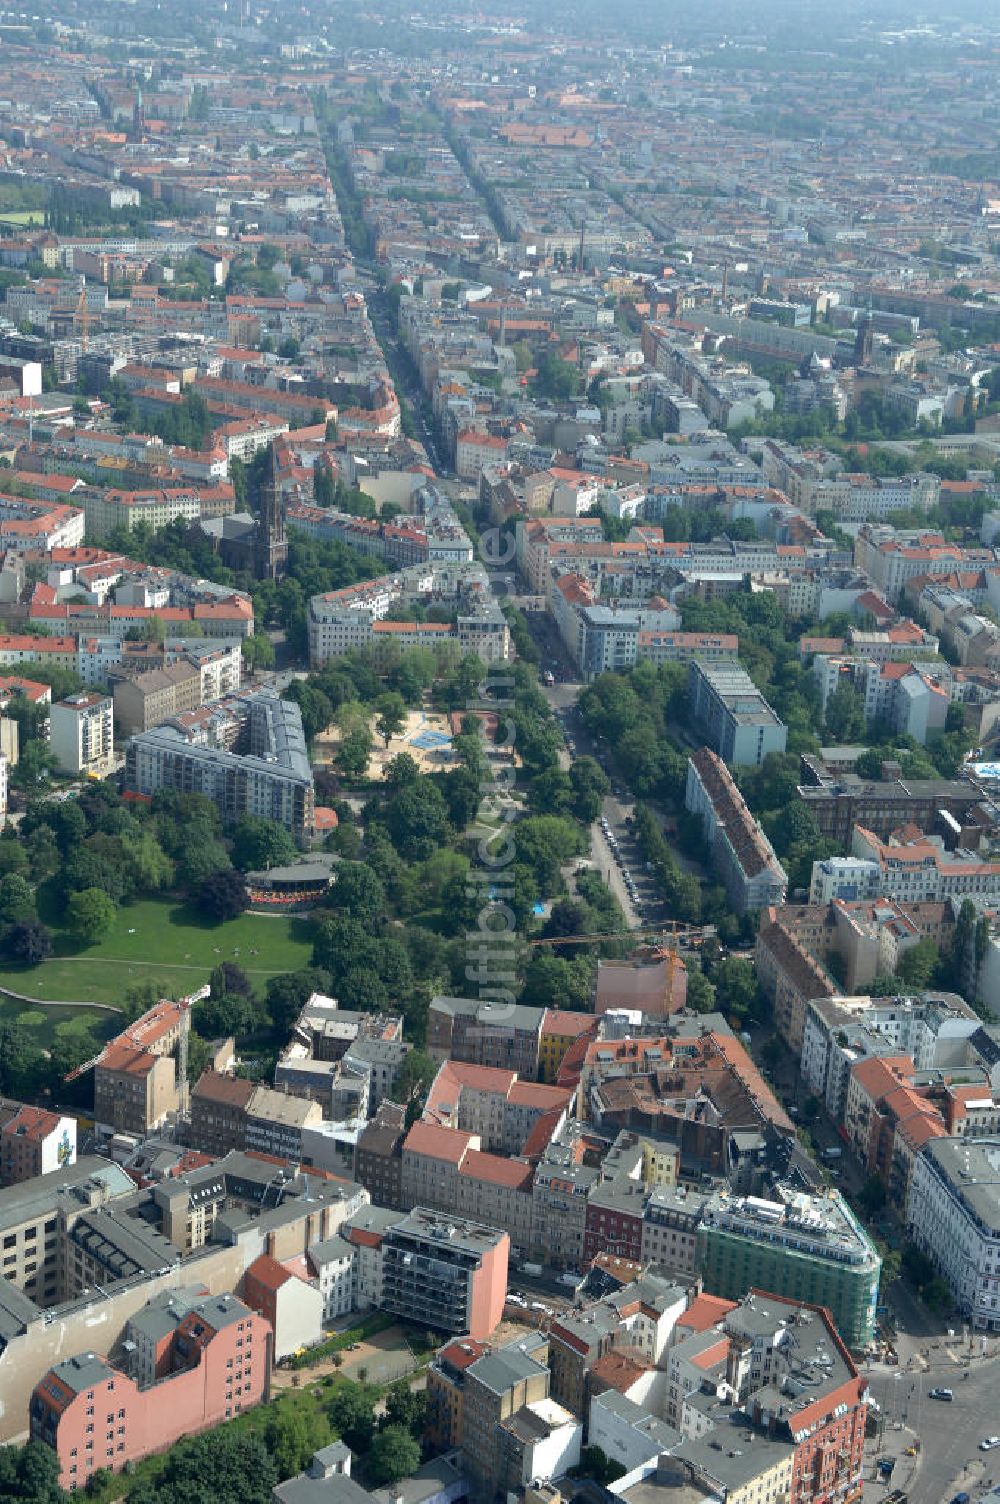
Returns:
(438,1143)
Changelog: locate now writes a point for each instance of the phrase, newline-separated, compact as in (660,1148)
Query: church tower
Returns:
(270,545)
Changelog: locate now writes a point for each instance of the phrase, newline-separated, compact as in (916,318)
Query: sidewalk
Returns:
(893,1444)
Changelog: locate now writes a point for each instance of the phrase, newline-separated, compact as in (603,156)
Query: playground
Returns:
(426,737)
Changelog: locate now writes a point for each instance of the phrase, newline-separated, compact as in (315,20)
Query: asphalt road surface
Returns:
(950,1459)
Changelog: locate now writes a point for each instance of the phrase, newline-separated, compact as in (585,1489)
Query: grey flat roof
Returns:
(123,1245)
(972,1167)
(83,1371)
(506,1367)
(337,1489)
(329,1250)
(33,1198)
(431,1479)
(733,1460)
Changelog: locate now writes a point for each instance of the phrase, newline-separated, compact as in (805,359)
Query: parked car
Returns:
(988,1443)
(940,1394)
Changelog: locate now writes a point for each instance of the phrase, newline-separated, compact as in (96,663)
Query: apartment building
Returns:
(559,1029)
(840,801)
(670,1228)
(559,1193)
(81,734)
(332,1262)
(34,1141)
(97,1417)
(106,511)
(888,1120)
(84,1249)
(380,1155)
(275,1121)
(954,1216)
(910,696)
(920,870)
(733,715)
(219,1105)
(500,1109)
(445,1423)
(742,856)
(501,1035)
(514,1434)
(137,1083)
(891,558)
(825,1421)
(447,1274)
(272,777)
(289,1298)
(808,1247)
(153,697)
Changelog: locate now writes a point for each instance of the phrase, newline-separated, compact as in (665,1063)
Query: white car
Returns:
(988,1443)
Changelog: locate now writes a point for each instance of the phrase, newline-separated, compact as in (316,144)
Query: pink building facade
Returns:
(215,1364)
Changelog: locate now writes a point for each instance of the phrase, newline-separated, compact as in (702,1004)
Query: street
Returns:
(950,1459)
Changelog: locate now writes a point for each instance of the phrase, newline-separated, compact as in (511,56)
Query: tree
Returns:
(91,914)
(417,820)
(735,982)
(362,991)
(551,793)
(558,981)
(544,843)
(391,711)
(150,870)
(568,917)
(405,1407)
(28,942)
(918,963)
(17,900)
(403,768)
(200,857)
(35,765)
(291,1439)
(287,993)
(462,794)
(872,1196)
(700,992)
(224,1466)
(393,1455)
(415,1076)
(590,785)
(223,895)
(596,1464)
(234,1013)
(258,652)
(359,891)
(869,764)
(354,752)
(229,980)
(13,857)
(845,714)
(351,1414)
(556,378)
(30,1473)
(314,706)
(259,843)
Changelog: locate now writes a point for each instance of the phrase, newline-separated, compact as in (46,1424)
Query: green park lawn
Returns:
(22,217)
(161,941)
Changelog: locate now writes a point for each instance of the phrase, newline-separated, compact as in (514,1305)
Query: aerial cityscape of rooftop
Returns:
(499,753)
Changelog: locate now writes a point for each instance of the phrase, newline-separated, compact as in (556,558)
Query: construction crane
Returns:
(81,318)
(672,934)
(182,1046)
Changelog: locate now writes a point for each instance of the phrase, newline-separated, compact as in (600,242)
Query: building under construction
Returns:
(140,1077)
(652,980)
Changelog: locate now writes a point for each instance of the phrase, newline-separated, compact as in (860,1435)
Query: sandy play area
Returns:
(427,738)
